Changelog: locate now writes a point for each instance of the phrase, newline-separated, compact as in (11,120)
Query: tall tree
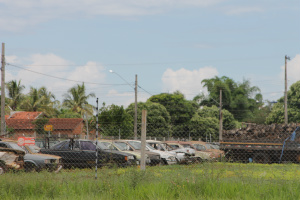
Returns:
(180,109)
(77,100)
(277,113)
(114,120)
(15,94)
(241,99)
(39,99)
(158,118)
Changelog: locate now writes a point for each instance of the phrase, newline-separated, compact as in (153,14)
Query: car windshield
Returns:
(157,146)
(136,145)
(187,146)
(103,146)
(200,147)
(34,148)
(174,146)
(149,147)
(16,146)
(166,146)
(123,146)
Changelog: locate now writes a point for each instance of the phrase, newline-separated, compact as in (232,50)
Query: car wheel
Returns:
(30,167)
(2,168)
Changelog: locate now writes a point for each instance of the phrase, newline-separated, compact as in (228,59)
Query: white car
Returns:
(163,147)
(195,156)
(166,157)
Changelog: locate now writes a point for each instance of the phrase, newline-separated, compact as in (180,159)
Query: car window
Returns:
(34,148)
(123,146)
(103,145)
(174,146)
(59,145)
(200,147)
(66,146)
(136,145)
(87,145)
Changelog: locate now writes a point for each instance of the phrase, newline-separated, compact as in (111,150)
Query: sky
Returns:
(169,44)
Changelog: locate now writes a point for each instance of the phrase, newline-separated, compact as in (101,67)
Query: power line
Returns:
(61,77)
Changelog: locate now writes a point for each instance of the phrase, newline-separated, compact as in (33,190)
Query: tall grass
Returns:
(203,181)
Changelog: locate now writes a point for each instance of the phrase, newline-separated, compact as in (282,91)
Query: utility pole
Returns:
(3,90)
(135,108)
(221,118)
(285,90)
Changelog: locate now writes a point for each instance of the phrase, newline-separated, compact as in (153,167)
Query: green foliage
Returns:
(39,125)
(204,181)
(113,119)
(180,109)
(157,117)
(277,114)
(67,113)
(15,93)
(39,99)
(293,97)
(241,99)
(205,122)
(76,100)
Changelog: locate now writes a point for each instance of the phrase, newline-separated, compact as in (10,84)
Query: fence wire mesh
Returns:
(71,144)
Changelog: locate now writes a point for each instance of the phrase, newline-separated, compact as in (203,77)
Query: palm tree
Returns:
(76,100)
(40,100)
(15,93)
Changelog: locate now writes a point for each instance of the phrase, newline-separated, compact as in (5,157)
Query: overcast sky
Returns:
(170,44)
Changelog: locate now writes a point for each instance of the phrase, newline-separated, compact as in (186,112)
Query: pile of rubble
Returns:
(263,133)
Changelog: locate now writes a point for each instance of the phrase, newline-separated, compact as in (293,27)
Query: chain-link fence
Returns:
(68,143)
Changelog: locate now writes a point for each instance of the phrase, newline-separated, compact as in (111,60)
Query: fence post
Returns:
(143,140)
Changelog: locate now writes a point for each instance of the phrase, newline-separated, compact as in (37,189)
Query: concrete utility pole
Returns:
(135,108)
(3,90)
(221,119)
(285,90)
(143,140)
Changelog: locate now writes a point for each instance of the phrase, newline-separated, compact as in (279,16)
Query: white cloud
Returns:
(16,15)
(186,81)
(52,66)
(125,98)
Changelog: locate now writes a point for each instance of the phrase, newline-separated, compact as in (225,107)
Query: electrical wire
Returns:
(86,82)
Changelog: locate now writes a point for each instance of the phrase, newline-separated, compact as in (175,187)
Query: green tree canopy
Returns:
(241,99)
(15,94)
(180,109)
(158,118)
(77,100)
(39,99)
(205,122)
(277,113)
(114,119)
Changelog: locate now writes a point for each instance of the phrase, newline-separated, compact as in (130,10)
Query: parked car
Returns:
(207,147)
(196,156)
(82,153)
(33,160)
(166,157)
(109,144)
(11,159)
(132,145)
(181,157)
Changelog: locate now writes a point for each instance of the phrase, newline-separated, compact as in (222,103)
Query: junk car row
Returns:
(80,153)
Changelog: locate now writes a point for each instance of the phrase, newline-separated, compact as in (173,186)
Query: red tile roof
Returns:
(25,115)
(58,123)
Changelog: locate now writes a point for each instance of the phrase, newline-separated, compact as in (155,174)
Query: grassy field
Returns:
(202,181)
